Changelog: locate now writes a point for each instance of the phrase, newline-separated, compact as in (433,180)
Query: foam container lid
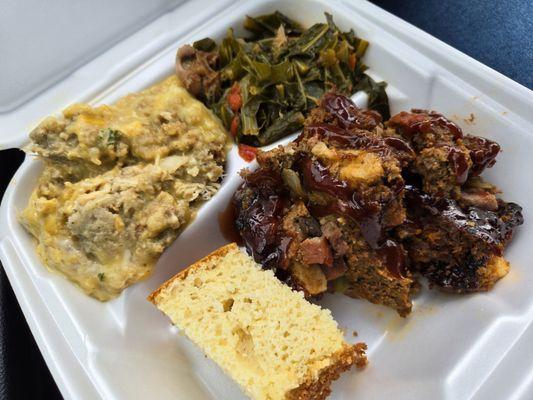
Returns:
(451,347)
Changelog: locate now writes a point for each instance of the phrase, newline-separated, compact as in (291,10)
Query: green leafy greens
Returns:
(268,82)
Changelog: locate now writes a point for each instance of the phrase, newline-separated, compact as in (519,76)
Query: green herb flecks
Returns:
(101,276)
(110,137)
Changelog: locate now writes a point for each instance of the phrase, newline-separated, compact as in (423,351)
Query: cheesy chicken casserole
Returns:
(120,182)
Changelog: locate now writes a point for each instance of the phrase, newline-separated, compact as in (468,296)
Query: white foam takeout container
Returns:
(450,347)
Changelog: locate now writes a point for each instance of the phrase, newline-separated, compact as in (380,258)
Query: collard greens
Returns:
(263,86)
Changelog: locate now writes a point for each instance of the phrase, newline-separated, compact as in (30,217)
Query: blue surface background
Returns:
(497,33)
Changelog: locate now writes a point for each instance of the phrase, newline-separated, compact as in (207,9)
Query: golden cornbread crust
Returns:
(320,388)
(221,252)
(220,291)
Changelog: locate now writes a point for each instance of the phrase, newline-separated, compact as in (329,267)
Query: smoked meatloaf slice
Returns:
(321,211)
(457,248)
(364,208)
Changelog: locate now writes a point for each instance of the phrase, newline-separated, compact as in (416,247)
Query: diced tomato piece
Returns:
(234,127)
(234,98)
(352,61)
(247,153)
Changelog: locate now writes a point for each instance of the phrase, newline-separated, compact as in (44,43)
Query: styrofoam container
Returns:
(451,347)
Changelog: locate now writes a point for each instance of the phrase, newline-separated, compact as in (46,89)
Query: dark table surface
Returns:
(497,33)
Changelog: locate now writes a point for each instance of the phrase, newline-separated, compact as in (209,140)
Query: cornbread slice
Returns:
(267,337)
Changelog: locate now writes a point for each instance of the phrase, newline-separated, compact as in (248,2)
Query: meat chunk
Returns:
(369,207)
(445,158)
(480,198)
(333,233)
(335,171)
(454,246)
(308,278)
(310,226)
(483,153)
(196,70)
(442,160)
(260,205)
(316,251)
(342,112)
(338,270)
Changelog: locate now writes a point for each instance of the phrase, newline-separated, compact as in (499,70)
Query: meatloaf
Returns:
(363,207)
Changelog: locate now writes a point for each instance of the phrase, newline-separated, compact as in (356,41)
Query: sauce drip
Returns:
(359,139)
(442,122)
(367,214)
(483,153)
(429,122)
(260,217)
(485,225)
(347,114)
(459,162)
(394,257)
(226,224)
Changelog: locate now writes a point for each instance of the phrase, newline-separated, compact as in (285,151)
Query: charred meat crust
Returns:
(451,245)
(375,205)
